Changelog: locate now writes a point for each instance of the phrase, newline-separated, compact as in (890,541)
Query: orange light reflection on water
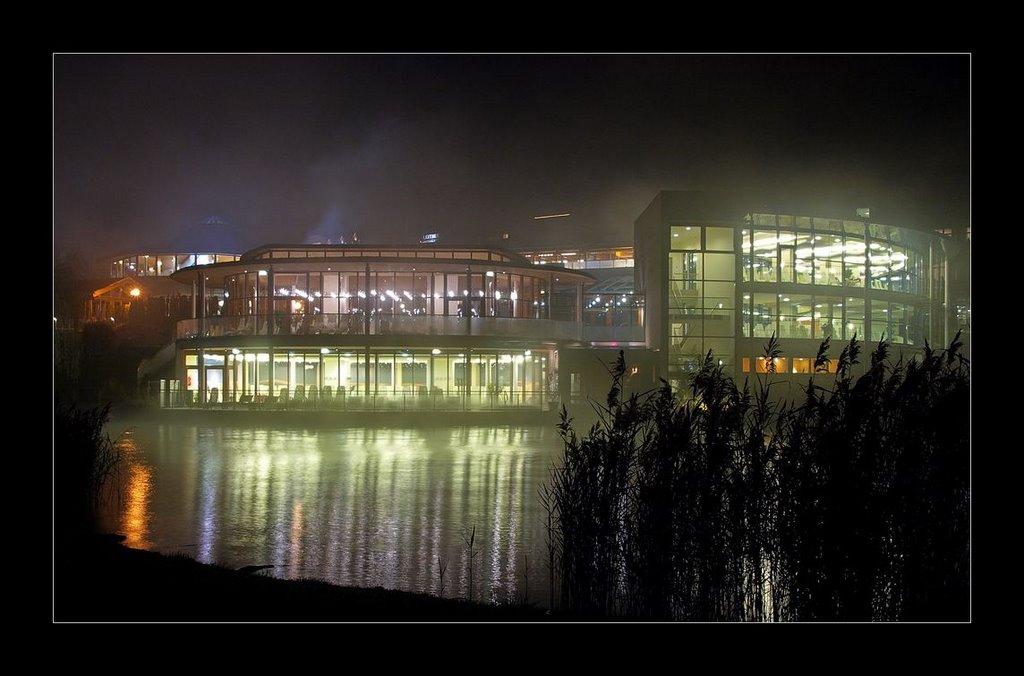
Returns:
(135,516)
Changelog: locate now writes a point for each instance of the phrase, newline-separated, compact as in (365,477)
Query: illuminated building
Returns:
(723,276)
(376,327)
(162,264)
(145,278)
(439,327)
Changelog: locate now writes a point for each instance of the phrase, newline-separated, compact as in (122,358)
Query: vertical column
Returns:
(366,371)
(945,299)
(467,301)
(469,379)
(202,375)
(201,278)
(366,305)
(579,311)
(201,317)
(546,299)
(271,289)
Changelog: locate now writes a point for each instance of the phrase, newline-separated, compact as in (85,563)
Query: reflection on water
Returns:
(363,507)
(135,515)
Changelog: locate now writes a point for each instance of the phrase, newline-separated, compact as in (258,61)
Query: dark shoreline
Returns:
(98,580)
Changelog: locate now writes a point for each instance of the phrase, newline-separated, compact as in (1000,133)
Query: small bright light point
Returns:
(135,293)
(435,351)
(324,350)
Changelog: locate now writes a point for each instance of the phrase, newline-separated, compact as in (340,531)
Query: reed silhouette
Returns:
(86,467)
(849,504)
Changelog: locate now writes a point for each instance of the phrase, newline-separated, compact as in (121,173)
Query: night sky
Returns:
(285,148)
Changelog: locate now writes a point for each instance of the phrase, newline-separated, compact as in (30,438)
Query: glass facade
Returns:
(334,299)
(360,378)
(315,323)
(701,297)
(830,252)
(377,332)
(800,278)
(577,258)
(161,265)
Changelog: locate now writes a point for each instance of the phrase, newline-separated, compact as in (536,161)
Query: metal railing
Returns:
(599,334)
(381,325)
(298,399)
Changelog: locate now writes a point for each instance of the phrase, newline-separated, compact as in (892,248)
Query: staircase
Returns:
(151,366)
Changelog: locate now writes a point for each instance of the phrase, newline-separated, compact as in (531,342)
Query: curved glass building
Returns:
(162,264)
(720,277)
(378,327)
(425,326)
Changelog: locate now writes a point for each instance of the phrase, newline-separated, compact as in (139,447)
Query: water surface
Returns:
(356,506)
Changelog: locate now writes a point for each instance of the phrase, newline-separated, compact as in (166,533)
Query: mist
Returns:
(285,148)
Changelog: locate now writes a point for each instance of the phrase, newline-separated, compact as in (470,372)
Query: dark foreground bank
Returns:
(99,580)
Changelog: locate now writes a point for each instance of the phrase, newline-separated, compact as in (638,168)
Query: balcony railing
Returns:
(614,334)
(298,399)
(355,325)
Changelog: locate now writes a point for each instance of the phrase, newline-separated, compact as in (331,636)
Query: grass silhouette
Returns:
(851,504)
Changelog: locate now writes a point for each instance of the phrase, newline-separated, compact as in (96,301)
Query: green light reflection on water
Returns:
(360,506)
